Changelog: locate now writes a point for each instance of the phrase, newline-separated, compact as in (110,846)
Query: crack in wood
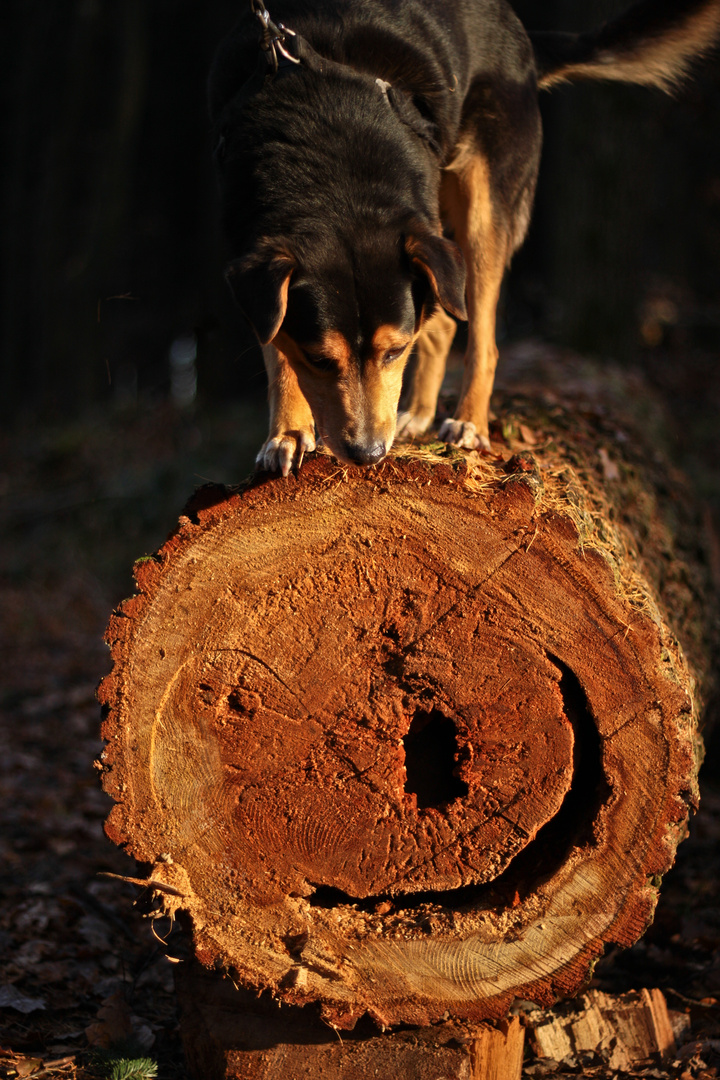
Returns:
(264,664)
(466,595)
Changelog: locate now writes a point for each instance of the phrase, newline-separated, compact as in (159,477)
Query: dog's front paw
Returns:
(411,424)
(281,452)
(463,433)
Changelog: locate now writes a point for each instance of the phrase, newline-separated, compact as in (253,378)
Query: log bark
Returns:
(409,741)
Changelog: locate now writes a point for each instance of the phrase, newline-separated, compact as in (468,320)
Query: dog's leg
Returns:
(485,240)
(431,352)
(292,428)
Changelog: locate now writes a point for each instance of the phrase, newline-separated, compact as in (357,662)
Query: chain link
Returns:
(273,36)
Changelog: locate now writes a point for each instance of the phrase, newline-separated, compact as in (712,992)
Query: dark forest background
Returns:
(111,248)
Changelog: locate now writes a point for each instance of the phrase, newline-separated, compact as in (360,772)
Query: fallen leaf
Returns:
(113,1024)
(27,1066)
(142,1034)
(95,932)
(10,998)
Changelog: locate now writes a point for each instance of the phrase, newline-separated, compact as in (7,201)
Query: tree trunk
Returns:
(416,740)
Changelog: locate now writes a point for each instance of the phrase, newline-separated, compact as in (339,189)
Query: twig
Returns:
(144,883)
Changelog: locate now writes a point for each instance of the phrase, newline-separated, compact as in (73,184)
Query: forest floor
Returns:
(84,983)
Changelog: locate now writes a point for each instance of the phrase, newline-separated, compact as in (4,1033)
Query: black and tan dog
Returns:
(347,141)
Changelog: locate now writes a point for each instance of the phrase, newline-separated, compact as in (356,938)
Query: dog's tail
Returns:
(654,44)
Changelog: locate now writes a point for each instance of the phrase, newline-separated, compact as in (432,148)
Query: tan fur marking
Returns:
(425,267)
(431,349)
(348,404)
(289,408)
(467,201)
(387,338)
(381,393)
(663,63)
(335,347)
(283,297)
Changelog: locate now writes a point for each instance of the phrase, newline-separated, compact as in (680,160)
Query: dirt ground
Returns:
(84,983)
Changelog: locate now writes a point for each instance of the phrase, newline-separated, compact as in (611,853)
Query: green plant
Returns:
(132,1069)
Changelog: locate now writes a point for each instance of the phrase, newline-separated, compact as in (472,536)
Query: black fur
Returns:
(345,176)
(332,171)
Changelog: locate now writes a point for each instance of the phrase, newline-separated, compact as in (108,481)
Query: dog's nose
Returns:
(364,455)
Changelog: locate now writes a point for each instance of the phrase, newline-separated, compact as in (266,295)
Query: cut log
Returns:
(408,741)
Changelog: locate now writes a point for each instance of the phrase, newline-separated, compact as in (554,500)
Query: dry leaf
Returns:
(113,1024)
(10,998)
(27,1066)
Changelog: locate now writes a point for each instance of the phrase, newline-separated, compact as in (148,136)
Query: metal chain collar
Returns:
(273,37)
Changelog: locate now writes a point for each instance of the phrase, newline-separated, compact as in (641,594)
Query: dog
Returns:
(378,162)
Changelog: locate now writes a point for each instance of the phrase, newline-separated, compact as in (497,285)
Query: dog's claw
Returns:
(281,452)
(286,453)
(410,425)
(464,434)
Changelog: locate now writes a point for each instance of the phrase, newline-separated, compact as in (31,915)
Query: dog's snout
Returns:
(362,454)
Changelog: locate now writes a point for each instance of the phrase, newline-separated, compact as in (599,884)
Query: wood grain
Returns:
(285,647)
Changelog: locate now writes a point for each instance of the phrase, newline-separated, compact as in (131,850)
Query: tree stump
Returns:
(412,741)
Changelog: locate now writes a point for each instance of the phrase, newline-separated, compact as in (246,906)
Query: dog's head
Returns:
(345,315)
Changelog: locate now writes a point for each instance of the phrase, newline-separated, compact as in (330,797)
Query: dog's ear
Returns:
(442,263)
(260,284)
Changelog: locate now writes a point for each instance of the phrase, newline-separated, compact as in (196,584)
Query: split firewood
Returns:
(623,1029)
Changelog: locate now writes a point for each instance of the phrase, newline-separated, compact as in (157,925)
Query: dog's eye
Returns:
(319,363)
(393,354)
